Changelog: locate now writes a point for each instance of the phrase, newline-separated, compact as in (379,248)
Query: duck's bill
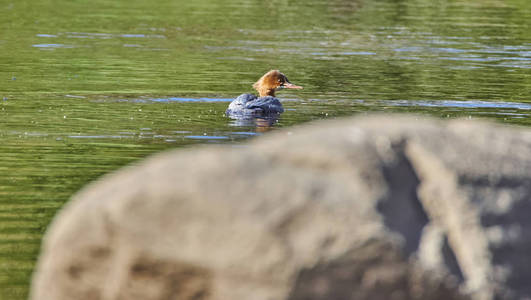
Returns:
(292,86)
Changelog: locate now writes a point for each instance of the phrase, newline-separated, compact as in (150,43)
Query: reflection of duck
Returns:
(261,123)
(266,104)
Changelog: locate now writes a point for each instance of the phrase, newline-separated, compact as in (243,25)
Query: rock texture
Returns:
(384,207)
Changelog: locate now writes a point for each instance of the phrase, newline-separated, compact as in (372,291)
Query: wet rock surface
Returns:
(384,207)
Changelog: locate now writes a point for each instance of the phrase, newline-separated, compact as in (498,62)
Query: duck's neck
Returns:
(264,91)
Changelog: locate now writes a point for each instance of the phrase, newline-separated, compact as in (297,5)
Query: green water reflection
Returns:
(87,87)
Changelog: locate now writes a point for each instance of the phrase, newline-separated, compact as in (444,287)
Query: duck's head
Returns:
(272,81)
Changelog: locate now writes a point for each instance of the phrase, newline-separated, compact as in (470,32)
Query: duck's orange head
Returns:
(272,81)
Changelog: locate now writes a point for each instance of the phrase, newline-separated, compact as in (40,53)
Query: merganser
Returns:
(266,104)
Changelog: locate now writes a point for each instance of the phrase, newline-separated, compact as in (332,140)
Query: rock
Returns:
(383,207)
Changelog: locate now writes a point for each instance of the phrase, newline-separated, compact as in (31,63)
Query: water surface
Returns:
(87,87)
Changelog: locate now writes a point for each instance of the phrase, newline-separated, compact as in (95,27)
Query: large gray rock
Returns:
(373,208)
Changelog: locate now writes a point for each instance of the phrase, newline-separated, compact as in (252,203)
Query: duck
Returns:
(265,104)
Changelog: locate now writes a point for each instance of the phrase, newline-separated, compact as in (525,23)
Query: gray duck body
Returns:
(251,105)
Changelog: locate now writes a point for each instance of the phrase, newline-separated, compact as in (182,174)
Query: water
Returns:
(87,87)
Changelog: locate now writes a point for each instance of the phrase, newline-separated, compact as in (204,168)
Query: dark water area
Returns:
(89,86)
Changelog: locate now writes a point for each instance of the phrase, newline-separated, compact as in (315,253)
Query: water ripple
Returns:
(461,104)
